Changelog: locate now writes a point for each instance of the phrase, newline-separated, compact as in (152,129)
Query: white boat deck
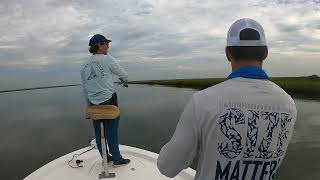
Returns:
(142,166)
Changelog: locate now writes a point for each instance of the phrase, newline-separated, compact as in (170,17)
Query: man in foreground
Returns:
(239,128)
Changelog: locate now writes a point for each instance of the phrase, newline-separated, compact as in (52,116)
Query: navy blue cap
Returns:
(98,38)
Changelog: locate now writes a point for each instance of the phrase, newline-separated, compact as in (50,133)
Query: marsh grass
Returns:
(304,87)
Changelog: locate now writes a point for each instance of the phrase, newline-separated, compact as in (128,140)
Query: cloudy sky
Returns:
(44,42)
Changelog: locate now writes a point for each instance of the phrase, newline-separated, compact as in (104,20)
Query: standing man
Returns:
(97,82)
(241,127)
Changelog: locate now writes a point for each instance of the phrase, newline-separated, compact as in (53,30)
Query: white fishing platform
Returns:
(142,166)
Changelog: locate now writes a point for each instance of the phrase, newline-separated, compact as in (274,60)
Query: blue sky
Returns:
(44,42)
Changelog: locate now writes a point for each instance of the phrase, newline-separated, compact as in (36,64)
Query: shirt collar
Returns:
(251,72)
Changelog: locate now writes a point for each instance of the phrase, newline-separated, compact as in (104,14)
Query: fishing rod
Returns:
(121,82)
(43,87)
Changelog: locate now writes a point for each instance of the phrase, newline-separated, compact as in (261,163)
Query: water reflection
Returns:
(40,125)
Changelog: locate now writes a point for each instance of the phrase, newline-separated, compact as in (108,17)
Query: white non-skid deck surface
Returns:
(142,166)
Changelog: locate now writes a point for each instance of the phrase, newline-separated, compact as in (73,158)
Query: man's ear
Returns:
(266,54)
(228,54)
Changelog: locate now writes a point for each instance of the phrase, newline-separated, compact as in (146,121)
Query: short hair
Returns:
(248,52)
(93,49)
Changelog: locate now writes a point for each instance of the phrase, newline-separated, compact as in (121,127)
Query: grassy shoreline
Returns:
(304,87)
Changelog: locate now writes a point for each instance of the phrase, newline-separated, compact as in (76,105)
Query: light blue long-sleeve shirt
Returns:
(97,77)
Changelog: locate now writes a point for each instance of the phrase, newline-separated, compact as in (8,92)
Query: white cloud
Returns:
(54,33)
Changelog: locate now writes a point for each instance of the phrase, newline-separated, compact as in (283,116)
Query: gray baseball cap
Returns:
(234,38)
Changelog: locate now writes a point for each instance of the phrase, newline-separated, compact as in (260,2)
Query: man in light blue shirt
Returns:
(97,73)
(97,82)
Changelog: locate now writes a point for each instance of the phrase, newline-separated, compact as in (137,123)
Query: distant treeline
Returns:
(306,87)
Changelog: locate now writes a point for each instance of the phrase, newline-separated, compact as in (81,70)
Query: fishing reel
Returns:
(123,83)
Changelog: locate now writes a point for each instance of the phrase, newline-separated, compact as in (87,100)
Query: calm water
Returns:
(38,126)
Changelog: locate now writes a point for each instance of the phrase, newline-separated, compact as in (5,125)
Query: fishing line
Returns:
(79,161)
